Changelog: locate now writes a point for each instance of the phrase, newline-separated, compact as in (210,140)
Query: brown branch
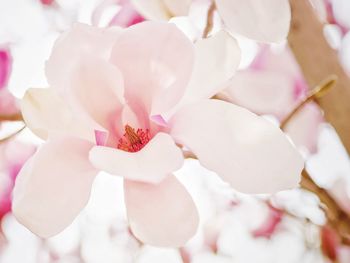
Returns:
(12,117)
(317,59)
(338,219)
(319,91)
(210,20)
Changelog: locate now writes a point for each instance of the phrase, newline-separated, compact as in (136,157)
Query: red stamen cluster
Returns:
(133,141)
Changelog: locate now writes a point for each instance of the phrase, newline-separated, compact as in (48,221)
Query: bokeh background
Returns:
(286,227)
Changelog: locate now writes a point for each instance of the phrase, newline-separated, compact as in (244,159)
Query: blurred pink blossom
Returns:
(5,66)
(13,155)
(126,110)
(47,2)
(338,13)
(269,226)
(274,85)
(239,17)
(8,103)
(125,17)
(330,243)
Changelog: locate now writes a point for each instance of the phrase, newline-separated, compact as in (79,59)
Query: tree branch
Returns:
(317,60)
(12,117)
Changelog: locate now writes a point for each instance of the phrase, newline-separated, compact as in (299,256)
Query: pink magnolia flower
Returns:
(239,17)
(5,66)
(125,101)
(274,85)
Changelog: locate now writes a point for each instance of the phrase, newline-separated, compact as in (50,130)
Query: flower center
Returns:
(133,141)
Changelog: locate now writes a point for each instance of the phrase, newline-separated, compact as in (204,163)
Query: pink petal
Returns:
(304,128)
(5,67)
(127,16)
(97,89)
(270,223)
(158,119)
(266,21)
(330,243)
(8,103)
(151,164)
(53,186)
(82,40)
(278,61)
(156,69)
(101,137)
(217,59)
(162,214)
(263,92)
(13,155)
(246,150)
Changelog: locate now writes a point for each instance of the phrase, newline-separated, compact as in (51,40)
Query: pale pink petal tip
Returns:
(101,137)
(158,119)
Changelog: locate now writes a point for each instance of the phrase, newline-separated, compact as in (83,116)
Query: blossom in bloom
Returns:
(274,85)
(266,21)
(125,101)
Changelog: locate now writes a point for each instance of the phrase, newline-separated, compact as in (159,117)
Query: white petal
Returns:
(53,186)
(162,214)
(217,59)
(244,149)
(151,164)
(44,112)
(266,21)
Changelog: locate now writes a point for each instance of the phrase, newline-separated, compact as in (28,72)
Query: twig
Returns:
(319,91)
(12,117)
